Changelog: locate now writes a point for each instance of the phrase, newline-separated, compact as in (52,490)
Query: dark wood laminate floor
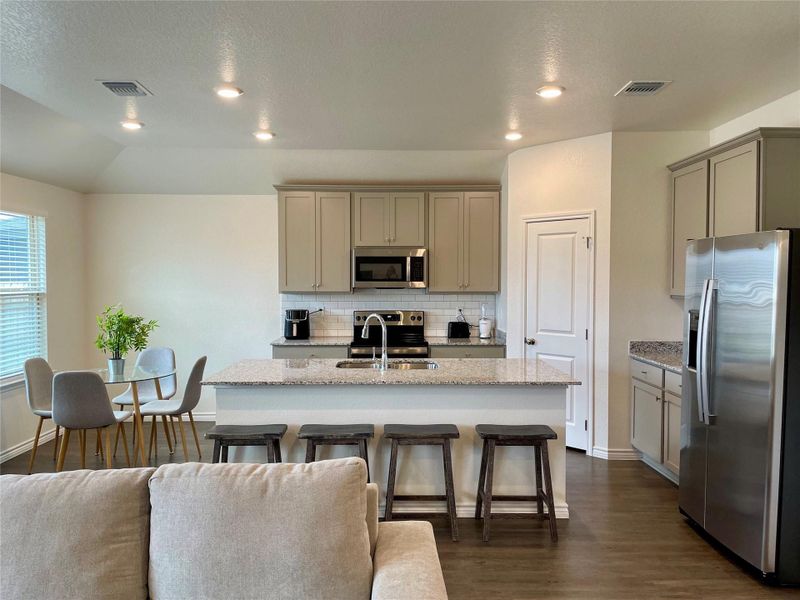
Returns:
(624,540)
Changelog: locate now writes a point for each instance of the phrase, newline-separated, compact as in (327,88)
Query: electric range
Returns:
(405,334)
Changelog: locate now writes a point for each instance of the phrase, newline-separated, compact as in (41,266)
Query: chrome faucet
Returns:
(365,335)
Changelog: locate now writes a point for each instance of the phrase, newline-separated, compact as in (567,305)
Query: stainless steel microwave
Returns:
(390,268)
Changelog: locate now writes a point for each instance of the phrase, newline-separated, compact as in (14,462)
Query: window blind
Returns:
(23,285)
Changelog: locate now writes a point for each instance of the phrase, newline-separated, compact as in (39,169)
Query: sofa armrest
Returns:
(372,516)
(406,564)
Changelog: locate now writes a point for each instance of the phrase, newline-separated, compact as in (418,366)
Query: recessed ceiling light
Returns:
(228,91)
(132,124)
(513,136)
(550,91)
(264,135)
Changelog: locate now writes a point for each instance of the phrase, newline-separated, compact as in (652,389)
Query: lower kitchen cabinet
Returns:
(309,352)
(656,417)
(468,351)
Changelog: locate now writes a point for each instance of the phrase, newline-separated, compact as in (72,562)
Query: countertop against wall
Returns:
(666,355)
(433,341)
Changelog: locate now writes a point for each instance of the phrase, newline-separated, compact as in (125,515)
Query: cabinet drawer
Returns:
(649,373)
(309,352)
(467,352)
(672,382)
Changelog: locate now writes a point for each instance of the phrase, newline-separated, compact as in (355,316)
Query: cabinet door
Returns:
(733,181)
(445,222)
(370,219)
(689,217)
(407,219)
(672,432)
(333,242)
(296,241)
(646,429)
(467,351)
(481,242)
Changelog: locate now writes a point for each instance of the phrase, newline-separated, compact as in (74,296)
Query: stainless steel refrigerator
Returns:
(740,419)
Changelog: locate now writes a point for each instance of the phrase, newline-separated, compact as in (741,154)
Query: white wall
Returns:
(784,112)
(641,224)
(205,267)
(574,175)
(64,213)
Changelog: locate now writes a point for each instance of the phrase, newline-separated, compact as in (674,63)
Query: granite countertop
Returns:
(666,355)
(451,371)
(433,341)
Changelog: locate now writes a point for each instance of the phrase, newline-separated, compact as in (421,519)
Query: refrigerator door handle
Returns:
(707,339)
(703,344)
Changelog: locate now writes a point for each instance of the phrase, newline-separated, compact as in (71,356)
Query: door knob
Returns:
(530,341)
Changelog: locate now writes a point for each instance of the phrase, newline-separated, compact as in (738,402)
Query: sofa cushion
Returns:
(77,534)
(260,531)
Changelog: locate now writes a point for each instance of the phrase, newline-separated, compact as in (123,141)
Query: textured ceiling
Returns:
(397,75)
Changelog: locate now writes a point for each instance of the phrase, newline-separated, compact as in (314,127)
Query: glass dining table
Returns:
(134,375)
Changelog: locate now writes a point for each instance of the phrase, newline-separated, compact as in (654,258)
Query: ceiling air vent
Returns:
(642,88)
(126,88)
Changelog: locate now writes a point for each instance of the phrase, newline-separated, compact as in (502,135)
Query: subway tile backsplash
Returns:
(336,319)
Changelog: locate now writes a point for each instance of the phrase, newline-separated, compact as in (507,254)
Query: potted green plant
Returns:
(119,334)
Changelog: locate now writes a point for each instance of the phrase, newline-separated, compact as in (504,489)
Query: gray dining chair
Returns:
(81,402)
(177,408)
(150,359)
(39,391)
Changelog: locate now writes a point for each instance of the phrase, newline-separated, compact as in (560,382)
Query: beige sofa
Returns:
(210,531)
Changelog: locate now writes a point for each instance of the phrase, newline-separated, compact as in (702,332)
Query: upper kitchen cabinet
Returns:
(689,216)
(389,219)
(747,184)
(464,241)
(314,241)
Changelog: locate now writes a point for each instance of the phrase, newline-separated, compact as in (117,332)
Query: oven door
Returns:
(389,268)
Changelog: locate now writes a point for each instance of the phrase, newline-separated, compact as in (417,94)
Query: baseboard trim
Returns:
(204,416)
(25,446)
(615,453)
(466,510)
(660,469)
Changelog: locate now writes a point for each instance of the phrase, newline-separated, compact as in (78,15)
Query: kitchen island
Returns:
(462,392)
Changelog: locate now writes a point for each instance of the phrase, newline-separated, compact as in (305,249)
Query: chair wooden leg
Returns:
(387,513)
(172,425)
(116,442)
(153,434)
(270,453)
(215,454)
(62,454)
(100,444)
(197,439)
(55,444)
(481,482)
(487,490)
(224,453)
(121,428)
(183,439)
(537,459)
(450,491)
(277,444)
(364,453)
(82,438)
(551,509)
(107,430)
(35,444)
(166,434)
(311,451)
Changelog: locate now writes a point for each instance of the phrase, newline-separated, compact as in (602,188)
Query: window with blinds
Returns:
(23,285)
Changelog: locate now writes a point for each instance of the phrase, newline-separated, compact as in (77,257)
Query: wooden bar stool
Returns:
(422,435)
(337,435)
(515,435)
(246,435)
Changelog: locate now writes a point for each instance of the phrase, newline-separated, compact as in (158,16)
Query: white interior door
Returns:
(557,309)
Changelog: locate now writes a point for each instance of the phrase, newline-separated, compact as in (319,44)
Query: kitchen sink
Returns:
(402,365)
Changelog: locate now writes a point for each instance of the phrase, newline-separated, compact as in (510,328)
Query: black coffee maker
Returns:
(296,323)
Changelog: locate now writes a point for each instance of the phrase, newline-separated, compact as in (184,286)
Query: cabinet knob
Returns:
(530,341)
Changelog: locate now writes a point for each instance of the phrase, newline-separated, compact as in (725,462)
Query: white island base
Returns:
(419,469)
